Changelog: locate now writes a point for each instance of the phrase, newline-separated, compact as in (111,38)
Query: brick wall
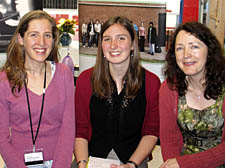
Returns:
(136,14)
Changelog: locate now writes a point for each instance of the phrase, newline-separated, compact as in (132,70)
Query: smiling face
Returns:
(117,44)
(191,54)
(37,40)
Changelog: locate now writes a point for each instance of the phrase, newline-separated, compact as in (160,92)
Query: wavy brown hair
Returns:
(101,80)
(214,67)
(14,66)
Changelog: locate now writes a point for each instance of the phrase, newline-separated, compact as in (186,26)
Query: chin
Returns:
(192,74)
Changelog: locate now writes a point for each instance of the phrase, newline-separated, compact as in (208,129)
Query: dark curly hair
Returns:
(214,67)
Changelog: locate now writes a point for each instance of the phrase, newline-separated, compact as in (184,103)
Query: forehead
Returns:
(183,37)
(39,24)
(116,29)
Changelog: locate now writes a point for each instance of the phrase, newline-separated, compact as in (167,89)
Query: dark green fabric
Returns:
(201,129)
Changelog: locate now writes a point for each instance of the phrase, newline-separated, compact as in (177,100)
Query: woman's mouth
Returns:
(115,53)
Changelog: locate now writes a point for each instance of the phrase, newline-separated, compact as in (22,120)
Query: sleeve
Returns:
(151,121)
(82,99)
(65,144)
(82,29)
(170,137)
(145,32)
(8,152)
(172,141)
(148,34)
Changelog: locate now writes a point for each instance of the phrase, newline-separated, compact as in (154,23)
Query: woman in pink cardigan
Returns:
(37,123)
(192,100)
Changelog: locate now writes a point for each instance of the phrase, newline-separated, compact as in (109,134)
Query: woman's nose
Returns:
(41,40)
(114,44)
(187,52)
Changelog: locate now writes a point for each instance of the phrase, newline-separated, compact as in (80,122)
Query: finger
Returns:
(113,166)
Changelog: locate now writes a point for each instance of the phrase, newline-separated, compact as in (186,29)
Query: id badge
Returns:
(34,158)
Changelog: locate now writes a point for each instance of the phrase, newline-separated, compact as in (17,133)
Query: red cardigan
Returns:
(82,100)
(171,138)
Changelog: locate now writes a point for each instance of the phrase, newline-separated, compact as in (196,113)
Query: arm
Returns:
(171,140)
(210,158)
(83,29)
(170,163)
(8,152)
(145,32)
(66,137)
(82,98)
(139,32)
(148,34)
(150,129)
(81,151)
(145,147)
(155,36)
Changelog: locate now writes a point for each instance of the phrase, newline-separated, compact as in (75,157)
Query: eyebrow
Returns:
(194,42)
(29,32)
(190,43)
(116,35)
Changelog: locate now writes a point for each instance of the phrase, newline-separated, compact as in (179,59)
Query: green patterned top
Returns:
(201,129)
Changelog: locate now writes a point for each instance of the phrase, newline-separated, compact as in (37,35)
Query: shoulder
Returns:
(151,78)
(3,77)
(4,83)
(164,89)
(86,74)
(84,79)
(83,83)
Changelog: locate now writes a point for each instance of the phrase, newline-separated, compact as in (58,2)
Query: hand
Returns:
(82,165)
(128,165)
(170,163)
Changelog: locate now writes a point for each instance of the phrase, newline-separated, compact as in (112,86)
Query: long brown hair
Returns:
(101,80)
(14,66)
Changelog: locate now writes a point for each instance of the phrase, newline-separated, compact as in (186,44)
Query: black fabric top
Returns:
(117,123)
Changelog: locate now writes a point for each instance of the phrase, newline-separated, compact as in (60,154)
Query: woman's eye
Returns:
(48,35)
(194,47)
(33,35)
(106,39)
(179,48)
(122,38)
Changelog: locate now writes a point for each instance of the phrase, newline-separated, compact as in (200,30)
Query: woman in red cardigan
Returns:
(116,101)
(192,104)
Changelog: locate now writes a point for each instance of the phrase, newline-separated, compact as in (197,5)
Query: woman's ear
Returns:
(20,39)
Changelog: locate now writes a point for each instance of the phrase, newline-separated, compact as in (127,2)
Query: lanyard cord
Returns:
(42,106)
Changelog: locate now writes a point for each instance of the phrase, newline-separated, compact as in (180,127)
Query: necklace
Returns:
(199,95)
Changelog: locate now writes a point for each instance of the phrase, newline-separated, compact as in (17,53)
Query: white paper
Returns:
(95,162)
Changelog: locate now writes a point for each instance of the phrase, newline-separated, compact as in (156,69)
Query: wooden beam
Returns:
(217,19)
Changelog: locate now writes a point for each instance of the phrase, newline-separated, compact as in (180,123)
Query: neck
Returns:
(35,69)
(118,72)
(195,83)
